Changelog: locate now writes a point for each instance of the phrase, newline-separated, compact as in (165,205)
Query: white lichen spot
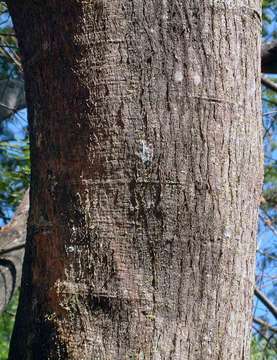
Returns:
(70,249)
(45,45)
(145,152)
(150,204)
(141,356)
(253,87)
(227,233)
(53,183)
(227,3)
(196,79)
(39,140)
(34,304)
(157,356)
(165,9)
(178,76)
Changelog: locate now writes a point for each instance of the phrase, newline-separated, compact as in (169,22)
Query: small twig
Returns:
(9,313)
(267,303)
(269,101)
(269,84)
(261,334)
(269,256)
(9,46)
(271,227)
(8,34)
(265,324)
(12,56)
(270,113)
(14,248)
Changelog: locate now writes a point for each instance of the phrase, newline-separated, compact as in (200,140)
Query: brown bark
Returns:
(146,175)
(12,240)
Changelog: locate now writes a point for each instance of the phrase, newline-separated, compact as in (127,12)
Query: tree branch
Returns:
(265,325)
(269,84)
(267,303)
(12,239)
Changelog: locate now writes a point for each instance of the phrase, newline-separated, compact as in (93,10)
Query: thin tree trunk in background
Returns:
(146,177)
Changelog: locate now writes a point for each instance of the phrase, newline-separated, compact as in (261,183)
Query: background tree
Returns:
(14,149)
(265,325)
(14,174)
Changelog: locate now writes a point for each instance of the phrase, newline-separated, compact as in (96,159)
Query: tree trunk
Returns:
(146,176)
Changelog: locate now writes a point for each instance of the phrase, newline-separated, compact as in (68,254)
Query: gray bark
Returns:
(146,175)
(12,95)
(12,241)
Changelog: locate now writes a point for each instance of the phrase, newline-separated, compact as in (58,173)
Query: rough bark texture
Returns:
(12,240)
(146,176)
(269,65)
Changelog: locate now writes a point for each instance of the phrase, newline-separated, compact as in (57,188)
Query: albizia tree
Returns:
(146,177)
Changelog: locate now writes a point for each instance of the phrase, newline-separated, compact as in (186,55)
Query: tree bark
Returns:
(146,155)
(15,101)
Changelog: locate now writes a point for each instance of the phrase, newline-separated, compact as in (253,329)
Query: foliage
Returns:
(269,19)
(6,326)
(14,175)
(261,351)
(14,149)
(14,158)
